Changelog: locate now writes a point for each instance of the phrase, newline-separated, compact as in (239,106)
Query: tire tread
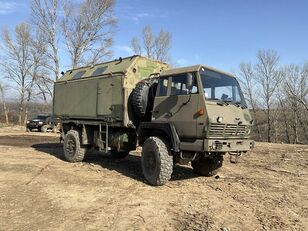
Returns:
(80,152)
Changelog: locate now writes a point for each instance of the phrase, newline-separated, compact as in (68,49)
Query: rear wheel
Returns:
(156,161)
(207,166)
(73,152)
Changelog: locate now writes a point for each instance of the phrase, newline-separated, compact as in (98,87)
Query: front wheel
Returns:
(44,128)
(207,166)
(73,152)
(156,161)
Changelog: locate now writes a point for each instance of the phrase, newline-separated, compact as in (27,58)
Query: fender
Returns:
(147,129)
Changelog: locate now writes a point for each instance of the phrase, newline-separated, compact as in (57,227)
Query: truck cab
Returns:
(201,115)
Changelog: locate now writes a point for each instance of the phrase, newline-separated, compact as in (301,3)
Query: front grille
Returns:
(218,129)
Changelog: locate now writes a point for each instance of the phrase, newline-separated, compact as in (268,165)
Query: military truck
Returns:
(193,114)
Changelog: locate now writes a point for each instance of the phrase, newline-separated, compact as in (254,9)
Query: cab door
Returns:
(175,104)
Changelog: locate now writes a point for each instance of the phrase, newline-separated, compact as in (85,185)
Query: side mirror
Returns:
(189,81)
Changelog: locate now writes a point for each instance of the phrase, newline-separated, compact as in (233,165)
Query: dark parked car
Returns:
(42,123)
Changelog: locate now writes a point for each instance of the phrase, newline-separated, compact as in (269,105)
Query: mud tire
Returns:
(156,161)
(44,128)
(206,166)
(72,150)
(55,129)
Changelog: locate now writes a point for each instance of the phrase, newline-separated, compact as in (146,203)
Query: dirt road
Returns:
(266,190)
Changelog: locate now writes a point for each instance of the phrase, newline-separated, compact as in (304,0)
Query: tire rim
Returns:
(70,147)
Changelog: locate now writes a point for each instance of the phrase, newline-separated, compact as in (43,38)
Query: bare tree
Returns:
(41,83)
(268,75)
(295,88)
(296,83)
(5,110)
(16,63)
(154,47)
(247,79)
(148,41)
(162,46)
(135,45)
(88,31)
(282,93)
(45,18)
(283,108)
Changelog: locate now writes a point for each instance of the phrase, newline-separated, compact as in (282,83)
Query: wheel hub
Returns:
(71,147)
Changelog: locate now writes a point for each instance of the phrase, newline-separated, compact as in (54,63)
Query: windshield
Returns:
(221,87)
(40,117)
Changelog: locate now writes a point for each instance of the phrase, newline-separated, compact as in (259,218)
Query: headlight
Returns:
(219,119)
(40,122)
(28,121)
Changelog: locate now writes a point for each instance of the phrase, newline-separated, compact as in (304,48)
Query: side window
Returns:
(194,89)
(163,86)
(78,75)
(236,94)
(208,93)
(179,85)
(99,71)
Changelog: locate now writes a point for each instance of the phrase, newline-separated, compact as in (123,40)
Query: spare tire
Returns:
(143,99)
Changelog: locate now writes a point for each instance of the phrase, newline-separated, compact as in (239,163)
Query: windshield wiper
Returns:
(239,104)
(227,102)
(222,103)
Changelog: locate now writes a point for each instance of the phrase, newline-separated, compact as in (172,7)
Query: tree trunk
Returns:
(56,61)
(268,125)
(21,109)
(295,127)
(303,125)
(285,121)
(26,116)
(257,126)
(19,117)
(5,113)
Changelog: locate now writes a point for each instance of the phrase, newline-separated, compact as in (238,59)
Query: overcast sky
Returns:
(213,32)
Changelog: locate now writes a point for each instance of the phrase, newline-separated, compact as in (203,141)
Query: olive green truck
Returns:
(193,114)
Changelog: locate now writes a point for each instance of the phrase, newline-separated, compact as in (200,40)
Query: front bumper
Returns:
(237,145)
(34,126)
(218,145)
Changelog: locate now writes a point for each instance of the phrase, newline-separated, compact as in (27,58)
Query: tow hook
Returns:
(234,156)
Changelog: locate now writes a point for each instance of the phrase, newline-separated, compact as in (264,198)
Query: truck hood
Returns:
(234,121)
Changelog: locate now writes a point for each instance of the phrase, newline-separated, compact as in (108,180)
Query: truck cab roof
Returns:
(194,68)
